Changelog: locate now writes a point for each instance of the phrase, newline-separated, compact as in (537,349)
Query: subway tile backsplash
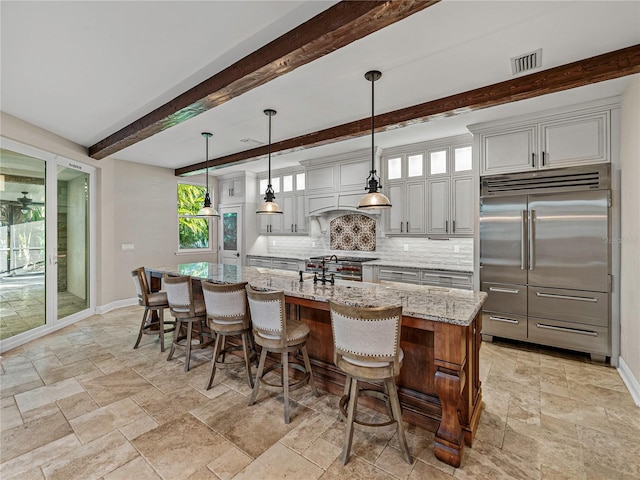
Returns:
(419,250)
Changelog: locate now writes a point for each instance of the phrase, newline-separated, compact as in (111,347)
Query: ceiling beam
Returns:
(336,27)
(596,69)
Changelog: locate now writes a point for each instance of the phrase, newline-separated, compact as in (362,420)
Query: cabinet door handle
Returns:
(453,224)
(504,290)
(504,320)
(533,159)
(407,227)
(292,228)
(567,297)
(401,227)
(296,228)
(446,226)
(591,333)
(543,159)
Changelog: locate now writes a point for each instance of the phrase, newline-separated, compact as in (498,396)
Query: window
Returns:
(193,232)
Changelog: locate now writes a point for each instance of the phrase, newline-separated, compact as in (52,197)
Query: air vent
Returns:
(250,142)
(526,62)
(552,181)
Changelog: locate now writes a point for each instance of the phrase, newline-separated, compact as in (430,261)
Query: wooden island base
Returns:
(439,385)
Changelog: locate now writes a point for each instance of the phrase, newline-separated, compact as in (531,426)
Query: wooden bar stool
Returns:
(367,348)
(187,311)
(152,302)
(228,315)
(275,333)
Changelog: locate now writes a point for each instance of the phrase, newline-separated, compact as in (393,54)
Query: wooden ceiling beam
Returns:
(596,69)
(336,27)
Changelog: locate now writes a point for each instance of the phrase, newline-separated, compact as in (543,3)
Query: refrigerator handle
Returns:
(523,239)
(531,233)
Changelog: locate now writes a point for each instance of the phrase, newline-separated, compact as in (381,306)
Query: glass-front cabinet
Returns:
(289,187)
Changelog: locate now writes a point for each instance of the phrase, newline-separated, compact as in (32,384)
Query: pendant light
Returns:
(207,210)
(269,207)
(373,200)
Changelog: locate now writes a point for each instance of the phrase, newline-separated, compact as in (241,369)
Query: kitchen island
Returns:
(439,385)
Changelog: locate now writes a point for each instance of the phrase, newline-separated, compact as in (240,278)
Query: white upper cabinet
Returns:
(409,166)
(289,187)
(565,137)
(231,189)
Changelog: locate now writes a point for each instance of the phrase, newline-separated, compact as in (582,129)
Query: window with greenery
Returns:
(193,231)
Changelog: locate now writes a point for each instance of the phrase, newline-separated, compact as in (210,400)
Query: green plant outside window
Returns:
(193,232)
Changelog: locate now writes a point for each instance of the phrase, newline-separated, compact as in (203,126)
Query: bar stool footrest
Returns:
(278,387)
(371,427)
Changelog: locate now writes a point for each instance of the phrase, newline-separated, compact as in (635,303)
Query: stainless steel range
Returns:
(342,268)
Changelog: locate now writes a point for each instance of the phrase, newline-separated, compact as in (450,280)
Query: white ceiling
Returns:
(83,70)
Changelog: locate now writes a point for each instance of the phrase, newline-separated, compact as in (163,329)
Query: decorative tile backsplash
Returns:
(353,232)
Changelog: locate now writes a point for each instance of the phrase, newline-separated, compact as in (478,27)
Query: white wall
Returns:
(630,235)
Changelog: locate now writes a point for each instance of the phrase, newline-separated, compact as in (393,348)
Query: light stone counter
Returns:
(458,307)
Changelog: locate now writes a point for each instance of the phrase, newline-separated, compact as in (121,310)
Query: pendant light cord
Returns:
(270,150)
(206,162)
(372,126)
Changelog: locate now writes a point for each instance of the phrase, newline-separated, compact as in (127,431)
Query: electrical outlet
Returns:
(406,247)
(128,246)
(313,244)
(456,249)
(273,242)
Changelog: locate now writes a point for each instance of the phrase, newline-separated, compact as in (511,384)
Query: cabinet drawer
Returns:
(505,298)
(573,336)
(399,276)
(504,325)
(448,279)
(260,262)
(589,308)
(284,265)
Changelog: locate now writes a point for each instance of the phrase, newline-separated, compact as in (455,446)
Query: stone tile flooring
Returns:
(82,404)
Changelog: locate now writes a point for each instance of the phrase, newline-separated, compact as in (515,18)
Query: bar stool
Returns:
(187,311)
(367,348)
(228,315)
(152,302)
(275,333)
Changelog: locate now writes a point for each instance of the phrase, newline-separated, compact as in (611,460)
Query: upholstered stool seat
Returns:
(367,348)
(153,302)
(228,315)
(187,310)
(277,334)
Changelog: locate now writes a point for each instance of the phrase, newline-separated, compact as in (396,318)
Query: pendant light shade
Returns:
(207,210)
(373,200)
(269,206)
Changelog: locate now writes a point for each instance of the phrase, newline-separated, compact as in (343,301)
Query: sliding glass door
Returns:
(22,243)
(45,242)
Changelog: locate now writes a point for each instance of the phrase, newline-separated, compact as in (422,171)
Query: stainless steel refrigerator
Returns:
(545,258)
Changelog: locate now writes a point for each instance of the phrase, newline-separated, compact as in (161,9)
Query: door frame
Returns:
(241,241)
(52,162)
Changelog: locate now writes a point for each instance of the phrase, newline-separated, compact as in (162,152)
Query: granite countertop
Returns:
(439,304)
(383,263)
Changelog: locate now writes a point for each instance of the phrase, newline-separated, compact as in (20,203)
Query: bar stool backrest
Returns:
(180,295)
(268,313)
(226,301)
(369,336)
(142,287)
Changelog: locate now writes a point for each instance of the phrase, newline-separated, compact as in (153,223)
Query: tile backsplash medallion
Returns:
(419,250)
(353,232)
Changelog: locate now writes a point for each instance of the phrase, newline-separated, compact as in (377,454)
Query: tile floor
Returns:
(81,404)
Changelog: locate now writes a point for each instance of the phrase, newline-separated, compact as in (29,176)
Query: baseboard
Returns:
(127,302)
(629,380)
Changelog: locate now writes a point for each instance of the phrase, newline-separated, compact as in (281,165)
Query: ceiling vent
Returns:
(251,142)
(526,62)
